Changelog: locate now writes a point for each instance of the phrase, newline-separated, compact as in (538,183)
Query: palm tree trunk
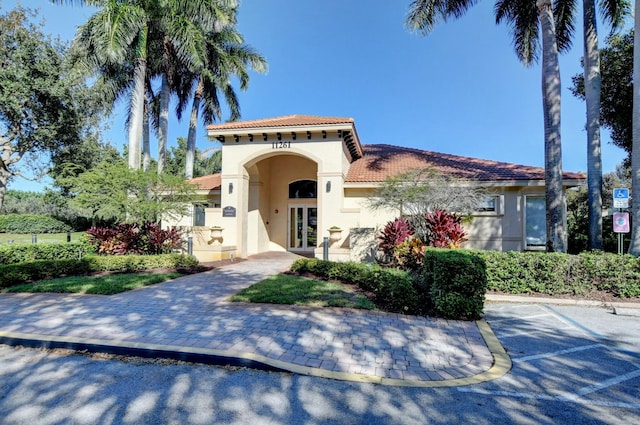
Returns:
(634,248)
(592,95)
(193,124)
(137,101)
(163,121)
(551,99)
(146,145)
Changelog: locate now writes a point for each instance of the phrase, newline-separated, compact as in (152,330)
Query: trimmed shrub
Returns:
(456,281)
(393,288)
(19,253)
(562,274)
(16,274)
(31,223)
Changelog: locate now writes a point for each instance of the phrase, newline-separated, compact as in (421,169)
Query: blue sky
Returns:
(460,90)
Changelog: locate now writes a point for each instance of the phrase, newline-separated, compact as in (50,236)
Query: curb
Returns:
(622,311)
(518,299)
(501,360)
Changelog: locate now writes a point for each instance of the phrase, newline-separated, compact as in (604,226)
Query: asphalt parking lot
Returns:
(570,365)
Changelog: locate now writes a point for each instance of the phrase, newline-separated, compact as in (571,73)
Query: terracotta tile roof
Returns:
(286,121)
(382,161)
(210,182)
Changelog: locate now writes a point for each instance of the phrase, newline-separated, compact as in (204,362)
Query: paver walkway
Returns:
(191,314)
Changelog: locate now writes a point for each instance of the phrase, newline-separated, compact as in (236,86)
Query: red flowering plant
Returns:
(394,234)
(445,229)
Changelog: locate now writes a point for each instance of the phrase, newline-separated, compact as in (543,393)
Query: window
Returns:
(535,221)
(198,214)
(303,189)
(490,206)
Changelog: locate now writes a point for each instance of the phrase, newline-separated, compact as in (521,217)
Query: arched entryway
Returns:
(282,204)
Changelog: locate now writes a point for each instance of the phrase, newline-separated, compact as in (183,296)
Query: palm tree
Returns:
(192,21)
(121,30)
(613,11)
(634,248)
(526,18)
(226,56)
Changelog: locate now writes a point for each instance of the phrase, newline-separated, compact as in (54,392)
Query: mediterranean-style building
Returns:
(288,182)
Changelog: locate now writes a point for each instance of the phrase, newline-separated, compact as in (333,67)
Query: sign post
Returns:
(621,219)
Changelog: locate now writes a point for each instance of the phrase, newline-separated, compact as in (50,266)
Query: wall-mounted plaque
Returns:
(228,212)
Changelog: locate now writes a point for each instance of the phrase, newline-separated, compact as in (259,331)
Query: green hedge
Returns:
(19,253)
(562,274)
(393,288)
(31,223)
(16,274)
(456,283)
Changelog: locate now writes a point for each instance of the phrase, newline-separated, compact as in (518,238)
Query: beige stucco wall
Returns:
(255,181)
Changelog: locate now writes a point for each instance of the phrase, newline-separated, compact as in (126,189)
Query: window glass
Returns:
(488,204)
(536,228)
(303,189)
(198,215)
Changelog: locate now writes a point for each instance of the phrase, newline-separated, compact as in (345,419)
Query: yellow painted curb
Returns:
(501,360)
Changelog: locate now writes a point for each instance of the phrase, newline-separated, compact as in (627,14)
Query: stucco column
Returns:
(234,195)
(330,200)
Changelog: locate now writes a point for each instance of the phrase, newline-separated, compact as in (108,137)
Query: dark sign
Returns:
(228,212)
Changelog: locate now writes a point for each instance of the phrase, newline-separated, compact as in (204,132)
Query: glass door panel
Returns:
(296,227)
(311,238)
(303,228)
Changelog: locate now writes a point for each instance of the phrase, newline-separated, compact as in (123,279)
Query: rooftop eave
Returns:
(213,133)
(488,183)
(349,134)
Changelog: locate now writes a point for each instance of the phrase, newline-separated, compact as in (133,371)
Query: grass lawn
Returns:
(298,290)
(102,285)
(42,237)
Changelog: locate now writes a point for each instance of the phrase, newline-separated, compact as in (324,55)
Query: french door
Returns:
(303,228)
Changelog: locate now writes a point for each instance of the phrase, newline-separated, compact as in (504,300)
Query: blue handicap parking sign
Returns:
(621,193)
(621,198)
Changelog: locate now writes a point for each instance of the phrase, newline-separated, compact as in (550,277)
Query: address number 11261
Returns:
(280,145)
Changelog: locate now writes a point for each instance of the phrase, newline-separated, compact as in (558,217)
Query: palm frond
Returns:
(564,15)
(424,15)
(522,18)
(614,12)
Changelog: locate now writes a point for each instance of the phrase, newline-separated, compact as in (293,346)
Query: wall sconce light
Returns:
(230,188)
(220,139)
(324,134)
(251,137)
(340,134)
(236,138)
(264,136)
(308,135)
(279,136)
(329,186)
(293,135)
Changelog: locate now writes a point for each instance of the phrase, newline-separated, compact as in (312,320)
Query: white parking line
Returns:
(558,353)
(563,397)
(608,383)
(574,324)
(511,319)
(528,332)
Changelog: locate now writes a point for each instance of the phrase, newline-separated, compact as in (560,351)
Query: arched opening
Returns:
(282,204)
